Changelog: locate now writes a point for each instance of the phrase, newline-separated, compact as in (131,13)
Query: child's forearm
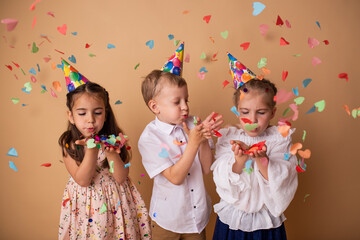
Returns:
(86,171)
(238,166)
(120,172)
(205,157)
(177,173)
(262,164)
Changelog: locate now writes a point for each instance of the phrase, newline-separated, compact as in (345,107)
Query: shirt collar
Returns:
(165,127)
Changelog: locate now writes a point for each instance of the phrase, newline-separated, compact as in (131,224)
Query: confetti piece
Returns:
(110,46)
(214,57)
(9,67)
(34,48)
(248,167)
(12,166)
(127,165)
(297,55)
(265,70)
(65,201)
(45,165)
(246,120)
(343,76)
(74,33)
(355,113)
(283,96)
(171,37)
(12,152)
(90,143)
(233,109)
(286,156)
(346,107)
(195,121)
(118,102)
(279,21)
(249,127)
(62,29)
(72,59)
(155,215)
(150,44)
(15,100)
(306,196)
(326,42)
(92,55)
(262,63)
(296,91)
(283,42)
(207,18)
(316,61)
(286,111)
(287,23)
(263,29)
(245,45)
(187,58)
(163,153)
(103,208)
(299,100)
(224,34)
(317,23)
(320,105)
(225,83)
(111,165)
(304,135)
(59,51)
(258,8)
(284,75)
(34,22)
(44,87)
(306,82)
(50,14)
(284,130)
(87,45)
(295,147)
(28,87)
(201,75)
(53,93)
(311,110)
(304,154)
(212,39)
(10,23)
(57,86)
(216,133)
(203,55)
(312,42)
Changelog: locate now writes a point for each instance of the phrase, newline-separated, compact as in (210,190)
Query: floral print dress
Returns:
(103,210)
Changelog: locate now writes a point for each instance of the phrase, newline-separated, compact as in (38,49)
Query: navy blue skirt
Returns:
(223,232)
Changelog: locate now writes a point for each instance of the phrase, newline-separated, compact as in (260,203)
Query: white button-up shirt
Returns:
(183,208)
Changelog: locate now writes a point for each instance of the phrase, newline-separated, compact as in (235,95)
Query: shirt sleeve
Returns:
(280,189)
(230,186)
(154,158)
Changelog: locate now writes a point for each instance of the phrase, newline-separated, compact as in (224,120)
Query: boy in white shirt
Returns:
(176,157)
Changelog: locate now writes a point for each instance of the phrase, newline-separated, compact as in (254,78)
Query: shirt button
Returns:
(188,174)
(192,190)
(194,206)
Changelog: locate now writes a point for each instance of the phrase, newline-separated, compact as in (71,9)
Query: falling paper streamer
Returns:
(10,23)
(12,166)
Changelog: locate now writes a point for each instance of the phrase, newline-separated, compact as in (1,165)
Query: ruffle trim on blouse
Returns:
(248,222)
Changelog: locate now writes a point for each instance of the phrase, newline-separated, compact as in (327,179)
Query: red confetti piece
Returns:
(65,201)
(9,67)
(59,51)
(217,133)
(245,45)
(87,45)
(214,116)
(225,83)
(34,22)
(299,169)
(51,14)
(46,165)
(344,76)
(326,42)
(346,107)
(47,59)
(17,65)
(284,75)
(246,120)
(207,18)
(128,147)
(62,29)
(283,42)
(279,21)
(214,57)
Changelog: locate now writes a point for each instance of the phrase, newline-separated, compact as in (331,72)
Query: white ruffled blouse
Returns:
(249,202)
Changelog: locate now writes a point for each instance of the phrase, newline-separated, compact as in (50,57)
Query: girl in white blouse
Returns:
(256,184)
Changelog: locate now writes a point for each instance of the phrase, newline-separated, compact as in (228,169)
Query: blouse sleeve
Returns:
(280,189)
(229,185)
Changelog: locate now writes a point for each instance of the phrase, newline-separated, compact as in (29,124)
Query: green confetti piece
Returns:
(320,105)
(28,87)
(285,112)
(176,42)
(22,71)
(299,100)
(137,65)
(296,55)
(195,121)
(98,146)
(306,196)
(15,100)
(43,91)
(262,63)
(34,48)
(91,143)
(203,55)
(111,163)
(354,113)
(103,208)
(224,34)
(92,55)
(304,135)
(250,127)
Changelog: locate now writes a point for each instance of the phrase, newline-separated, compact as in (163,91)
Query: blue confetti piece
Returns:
(296,91)
(118,102)
(110,46)
(72,59)
(118,204)
(155,214)
(306,82)
(12,152)
(233,109)
(24,90)
(318,24)
(163,153)
(248,167)
(59,66)
(171,37)
(258,8)
(33,71)
(12,166)
(24,105)
(38,67)
(127,165)
(313,109)
(286,156)
(203,69)
(150,44)
(74,33)
(43,87)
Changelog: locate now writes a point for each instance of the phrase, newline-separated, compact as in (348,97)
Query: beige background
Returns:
(31,197)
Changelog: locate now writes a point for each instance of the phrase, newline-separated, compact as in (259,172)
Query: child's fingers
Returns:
(81,142)
(186,129)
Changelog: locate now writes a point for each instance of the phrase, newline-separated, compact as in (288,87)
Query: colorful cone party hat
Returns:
(239,72)
(175,62)
(72,77)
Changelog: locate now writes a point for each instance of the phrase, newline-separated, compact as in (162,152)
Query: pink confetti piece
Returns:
(187,58)
(47,59)
(51,14)
(201,75)
(33,24)
(10,23)
(53,93)
(62,29)
(294,107)
(33,79)
(263,29)
(287,23)
(316,61)
(312,42)
(283,96)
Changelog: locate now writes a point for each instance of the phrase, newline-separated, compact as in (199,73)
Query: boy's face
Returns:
(171,104)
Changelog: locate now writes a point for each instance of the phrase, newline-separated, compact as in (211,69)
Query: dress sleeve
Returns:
(280,189)
(229,185)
